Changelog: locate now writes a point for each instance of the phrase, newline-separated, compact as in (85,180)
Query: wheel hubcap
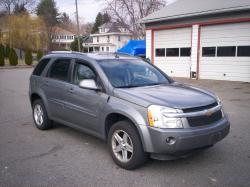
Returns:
(122,146)
(38,114)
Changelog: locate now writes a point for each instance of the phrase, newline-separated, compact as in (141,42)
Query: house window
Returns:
(107,49)
(172,52)
(185,51)
(243,51)
(208,51)
(119,38)
(102,48)
(226,51)
(159,52)
(108,38)
(97,38)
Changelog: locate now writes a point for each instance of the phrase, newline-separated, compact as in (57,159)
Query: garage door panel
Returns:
(235,68)
(225,69)
(173,38)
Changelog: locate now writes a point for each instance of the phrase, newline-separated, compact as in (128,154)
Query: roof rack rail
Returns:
(67,52)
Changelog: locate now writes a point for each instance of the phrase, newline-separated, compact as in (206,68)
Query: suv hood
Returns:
(174,95)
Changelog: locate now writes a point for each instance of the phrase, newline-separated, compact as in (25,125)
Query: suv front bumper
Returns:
(187,139)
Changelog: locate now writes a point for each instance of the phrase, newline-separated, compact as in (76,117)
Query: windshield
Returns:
(131,73)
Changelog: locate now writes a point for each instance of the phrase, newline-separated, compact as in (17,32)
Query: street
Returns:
(65,157)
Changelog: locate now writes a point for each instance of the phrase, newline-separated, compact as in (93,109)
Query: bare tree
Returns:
(8,5)
(129,12)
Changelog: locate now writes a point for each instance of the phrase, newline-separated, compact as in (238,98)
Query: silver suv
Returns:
(130,103)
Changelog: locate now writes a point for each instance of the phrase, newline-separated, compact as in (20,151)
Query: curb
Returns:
(16,67)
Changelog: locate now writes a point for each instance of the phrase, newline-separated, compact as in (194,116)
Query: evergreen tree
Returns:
(13,59)
(28,57)
(39,55)
(7,51)
(1,55)
(98,23)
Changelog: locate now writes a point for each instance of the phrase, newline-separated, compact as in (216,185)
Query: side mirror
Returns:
(89,84)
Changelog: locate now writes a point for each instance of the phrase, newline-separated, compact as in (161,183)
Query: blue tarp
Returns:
(134,47)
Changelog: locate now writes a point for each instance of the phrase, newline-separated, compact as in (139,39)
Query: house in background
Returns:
(61,38)
(110,37)
(201,39)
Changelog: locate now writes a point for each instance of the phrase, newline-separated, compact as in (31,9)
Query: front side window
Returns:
(132,73)
(59,69)
(82,72)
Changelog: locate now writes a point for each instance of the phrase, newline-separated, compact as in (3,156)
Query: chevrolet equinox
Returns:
(134,106)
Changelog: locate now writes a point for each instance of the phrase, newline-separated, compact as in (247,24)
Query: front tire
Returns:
(125,145)
(40,115)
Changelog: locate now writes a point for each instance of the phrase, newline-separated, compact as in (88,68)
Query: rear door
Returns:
(83,106)
(54,87)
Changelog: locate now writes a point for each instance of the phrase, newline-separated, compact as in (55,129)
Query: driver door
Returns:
(83,106)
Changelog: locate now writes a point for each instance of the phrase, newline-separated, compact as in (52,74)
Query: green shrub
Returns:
(1,55)
(28,57)
(39,55)
(7,51)
(13,57)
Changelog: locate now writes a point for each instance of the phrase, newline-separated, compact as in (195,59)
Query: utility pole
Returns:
(78,32)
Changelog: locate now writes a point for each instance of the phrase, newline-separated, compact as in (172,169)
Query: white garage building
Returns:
(201,39)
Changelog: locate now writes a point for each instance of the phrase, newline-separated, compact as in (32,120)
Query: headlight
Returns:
(157,119)
(220,103)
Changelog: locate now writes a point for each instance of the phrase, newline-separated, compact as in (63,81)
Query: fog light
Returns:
(170,140)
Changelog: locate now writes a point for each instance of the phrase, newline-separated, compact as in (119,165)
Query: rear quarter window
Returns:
(40,67)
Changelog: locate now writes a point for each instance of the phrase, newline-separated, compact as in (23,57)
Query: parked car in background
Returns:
(130,103)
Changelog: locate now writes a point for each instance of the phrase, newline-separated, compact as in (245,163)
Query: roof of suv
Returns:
(95,56)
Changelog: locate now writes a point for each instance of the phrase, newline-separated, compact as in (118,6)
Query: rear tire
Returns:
(40,115)
(125,145)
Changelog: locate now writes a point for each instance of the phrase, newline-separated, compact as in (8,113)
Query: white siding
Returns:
(148,44)
(225,68)
(173,38)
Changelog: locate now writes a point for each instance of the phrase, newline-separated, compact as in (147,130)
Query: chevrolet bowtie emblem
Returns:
(208,113)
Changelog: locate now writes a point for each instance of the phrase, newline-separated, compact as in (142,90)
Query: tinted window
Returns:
(160,52)
(40,66)
(208,51)
(131,73)
(243,51)
(185,51)
(82,72)
(172,52)
(226,51)
(59,69)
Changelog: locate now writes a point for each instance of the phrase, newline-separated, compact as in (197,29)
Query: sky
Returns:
(87,9)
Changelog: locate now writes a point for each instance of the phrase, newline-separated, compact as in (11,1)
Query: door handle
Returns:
(71,90)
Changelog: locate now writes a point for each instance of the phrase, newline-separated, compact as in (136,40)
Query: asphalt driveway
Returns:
(66,157)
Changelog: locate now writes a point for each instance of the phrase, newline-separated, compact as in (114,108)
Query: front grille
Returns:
(200,108)
(204,120)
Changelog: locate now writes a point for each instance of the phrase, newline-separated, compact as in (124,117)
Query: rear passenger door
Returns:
(55,89)
(83,106)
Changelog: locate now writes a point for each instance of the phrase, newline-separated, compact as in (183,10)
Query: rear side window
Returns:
(41,66)
(60,69)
